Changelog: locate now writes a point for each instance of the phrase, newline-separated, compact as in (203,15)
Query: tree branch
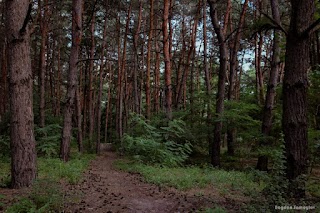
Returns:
(26,20)
(278,25)
(311,28)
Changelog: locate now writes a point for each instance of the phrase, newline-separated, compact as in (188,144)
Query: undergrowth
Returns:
(47,194)
(184,178)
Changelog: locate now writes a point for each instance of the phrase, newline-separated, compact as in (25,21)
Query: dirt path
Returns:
(105,189)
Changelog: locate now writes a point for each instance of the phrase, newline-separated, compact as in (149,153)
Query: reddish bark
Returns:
(167,59)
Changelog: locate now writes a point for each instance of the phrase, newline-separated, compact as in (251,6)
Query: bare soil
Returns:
(106,189)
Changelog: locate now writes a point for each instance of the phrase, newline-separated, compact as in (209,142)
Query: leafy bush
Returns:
(277,187)
(167,146)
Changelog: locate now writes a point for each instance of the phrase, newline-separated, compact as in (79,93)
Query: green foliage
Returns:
(166,145)
(215,210)
(48,140)
(245,117)
(277,188)
(226,182)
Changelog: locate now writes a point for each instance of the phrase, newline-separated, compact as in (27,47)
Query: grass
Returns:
(55,169)
(215,210)
(47,194)
(184,178)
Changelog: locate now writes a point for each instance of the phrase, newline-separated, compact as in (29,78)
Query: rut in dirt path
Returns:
(105,189)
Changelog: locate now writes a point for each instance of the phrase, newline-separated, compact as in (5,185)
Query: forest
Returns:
(159,106)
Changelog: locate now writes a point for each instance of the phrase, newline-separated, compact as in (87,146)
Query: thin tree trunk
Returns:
(91,90)
(231,131)
(136,63)
(42,62)
(215,156)
(79,121)
(207,76)
(22,143)
(72,79)
(271,90)
(148,92)
(58,83)
(157,77)
(167,60)
(121,77)
(108,105)
(102,69)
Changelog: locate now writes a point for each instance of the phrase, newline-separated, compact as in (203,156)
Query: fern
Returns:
(167,146)
(48,140)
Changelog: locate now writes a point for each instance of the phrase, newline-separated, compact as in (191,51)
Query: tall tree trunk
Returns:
(157,75)
(136,65)
(79,121)
(108,105)
(167,59)
(121,78)
(23,151)
(207,76)
(72,79)
(231,131)
(58,83)
(272,85)
(215,155)
(42,62)
(91,90)
(148,92)
(295,86)
(102,69)
(3,82)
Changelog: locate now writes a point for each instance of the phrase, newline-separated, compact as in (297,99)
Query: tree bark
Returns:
(207,76)
(72,79)
(295,88)
(121,78)
(23,152)
(215,155)
(42,62)
(102,69)
(231,132)
(148,92)
(272,85)
(3,82)
(167,59)
(91,90)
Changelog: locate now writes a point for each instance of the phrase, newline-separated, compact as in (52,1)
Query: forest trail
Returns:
(106,189)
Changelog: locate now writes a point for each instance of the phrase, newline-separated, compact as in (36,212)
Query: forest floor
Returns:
(107,189)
